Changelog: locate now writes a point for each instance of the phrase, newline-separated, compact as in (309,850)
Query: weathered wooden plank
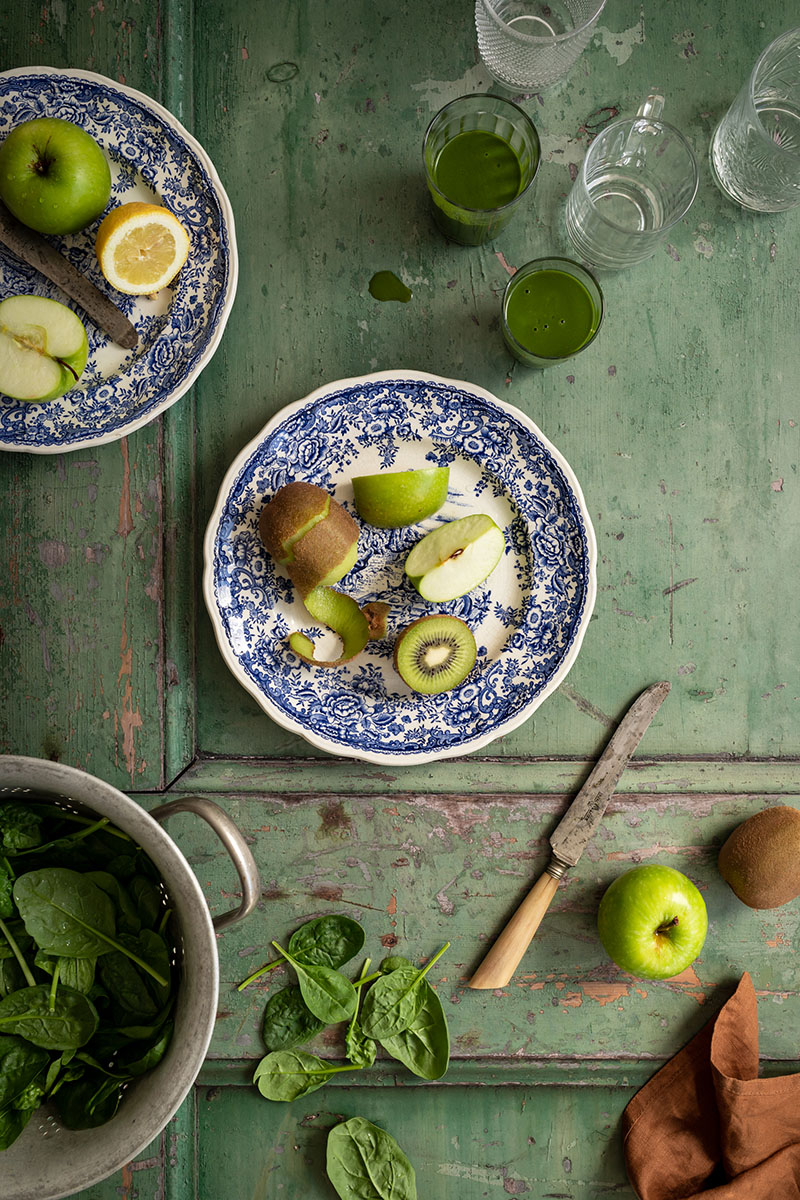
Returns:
(421,870)
(475,1142)
(470,775)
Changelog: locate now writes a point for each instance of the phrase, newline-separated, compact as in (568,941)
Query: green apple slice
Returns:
(454,558)
(393,499)
(43,348)
(341,614)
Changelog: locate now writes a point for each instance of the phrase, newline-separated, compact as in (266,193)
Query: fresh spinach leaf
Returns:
(147,898)
(21,1064)
(394,1001)
(77,973)
(128,920)
(89,1101)
(392,962)
(67,914)
(6,885)
(330,996)
(287,1074)
(288,1021)
(328,941)
(69,1023)
(424,1047)
(359,1048)
(12,1123)
(20,827)
(365,1162)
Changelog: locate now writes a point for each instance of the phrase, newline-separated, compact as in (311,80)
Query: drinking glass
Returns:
(755,151)
(481,155)
(552,309)
(639,177)
(527,45)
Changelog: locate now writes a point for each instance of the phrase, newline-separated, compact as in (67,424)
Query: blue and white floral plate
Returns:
(529,617)
(152,158)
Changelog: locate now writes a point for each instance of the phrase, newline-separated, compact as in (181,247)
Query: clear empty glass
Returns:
(755,151)
(526,45)
(639,177)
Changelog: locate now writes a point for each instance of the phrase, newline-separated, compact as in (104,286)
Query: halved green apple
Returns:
(396,498)
(43,348)
(341,614)
(455,557)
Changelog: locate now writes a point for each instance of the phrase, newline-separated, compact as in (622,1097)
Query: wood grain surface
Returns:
(681,422)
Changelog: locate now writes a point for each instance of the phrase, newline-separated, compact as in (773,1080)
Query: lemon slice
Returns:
(141,248)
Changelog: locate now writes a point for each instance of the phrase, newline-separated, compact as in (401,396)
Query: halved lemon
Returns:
(141,247)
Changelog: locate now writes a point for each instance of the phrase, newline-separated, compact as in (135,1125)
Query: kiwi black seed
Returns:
(435,653)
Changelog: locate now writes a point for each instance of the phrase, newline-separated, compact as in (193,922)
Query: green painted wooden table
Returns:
(682,423)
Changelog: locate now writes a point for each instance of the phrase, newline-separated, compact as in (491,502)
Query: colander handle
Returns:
(233,841)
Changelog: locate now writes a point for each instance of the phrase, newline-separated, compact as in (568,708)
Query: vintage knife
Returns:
(569,839)
(38,253)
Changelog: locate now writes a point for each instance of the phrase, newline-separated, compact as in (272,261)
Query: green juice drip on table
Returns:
(479,171)
(551,314)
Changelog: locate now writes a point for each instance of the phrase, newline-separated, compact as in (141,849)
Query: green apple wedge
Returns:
(43,348)
(455,557)
(393,499)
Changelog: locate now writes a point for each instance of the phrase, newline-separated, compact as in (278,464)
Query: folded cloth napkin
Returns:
(706,1125)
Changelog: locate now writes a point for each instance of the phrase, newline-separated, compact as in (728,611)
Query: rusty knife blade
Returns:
(38,253)
(576,828)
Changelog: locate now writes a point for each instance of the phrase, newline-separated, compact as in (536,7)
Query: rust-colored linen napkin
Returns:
(706,1125)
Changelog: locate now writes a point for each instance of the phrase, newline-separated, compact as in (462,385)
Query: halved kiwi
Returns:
(435,653)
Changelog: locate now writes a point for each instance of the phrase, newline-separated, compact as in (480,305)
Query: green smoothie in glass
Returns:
(552,309)
(481,155)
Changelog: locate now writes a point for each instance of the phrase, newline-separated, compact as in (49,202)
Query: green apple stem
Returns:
(665,928)
(71,370)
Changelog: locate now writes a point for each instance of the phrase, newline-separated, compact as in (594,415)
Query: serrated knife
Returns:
(569,839)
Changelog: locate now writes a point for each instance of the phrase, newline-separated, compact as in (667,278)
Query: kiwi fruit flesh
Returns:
(761,858)
(309,534)
(435,653)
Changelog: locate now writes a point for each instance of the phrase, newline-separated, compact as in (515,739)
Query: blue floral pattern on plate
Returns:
(528,617)
(152,158)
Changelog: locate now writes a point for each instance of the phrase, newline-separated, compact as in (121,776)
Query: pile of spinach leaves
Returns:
(394,1006)
(87,975)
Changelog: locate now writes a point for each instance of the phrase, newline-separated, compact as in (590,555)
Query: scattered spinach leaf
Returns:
(394,1001)
(330,996)
(288,1021)
(425,1046)
(329,941)
(359,1048)
(392,962)
(287,1074)
(365,1162)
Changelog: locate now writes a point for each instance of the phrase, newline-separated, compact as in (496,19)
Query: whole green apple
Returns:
(54,177)
(652,922)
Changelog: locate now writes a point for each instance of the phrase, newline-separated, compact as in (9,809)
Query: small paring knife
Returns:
(569,839)
(38,253)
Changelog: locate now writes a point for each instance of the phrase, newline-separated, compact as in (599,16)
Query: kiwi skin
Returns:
(309,534)
(427,632)
(761,858)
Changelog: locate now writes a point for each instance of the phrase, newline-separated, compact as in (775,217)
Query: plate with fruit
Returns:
(103,182)
(400,568)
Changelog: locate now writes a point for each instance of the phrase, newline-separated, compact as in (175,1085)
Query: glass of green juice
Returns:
(481,155)
(552,309)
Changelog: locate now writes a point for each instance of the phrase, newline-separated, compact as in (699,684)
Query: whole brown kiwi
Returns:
(761,858)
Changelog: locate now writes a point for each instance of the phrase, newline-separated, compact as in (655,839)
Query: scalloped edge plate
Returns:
(379,422)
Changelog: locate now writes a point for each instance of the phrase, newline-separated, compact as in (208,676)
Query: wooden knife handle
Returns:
(504,957)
